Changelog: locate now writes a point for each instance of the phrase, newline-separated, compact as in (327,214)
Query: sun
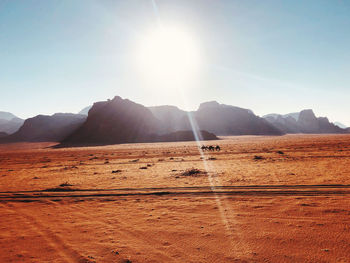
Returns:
(168,54)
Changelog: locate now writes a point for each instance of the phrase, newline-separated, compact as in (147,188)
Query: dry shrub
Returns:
(65,184)
(193,172)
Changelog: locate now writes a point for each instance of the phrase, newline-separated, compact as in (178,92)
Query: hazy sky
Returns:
(269,56)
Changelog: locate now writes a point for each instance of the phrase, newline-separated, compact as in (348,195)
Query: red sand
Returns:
(93,218)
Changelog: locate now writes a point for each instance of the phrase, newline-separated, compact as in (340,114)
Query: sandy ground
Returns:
(260,199)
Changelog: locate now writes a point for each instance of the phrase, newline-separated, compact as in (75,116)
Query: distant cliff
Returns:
(216,118)
(46,128)
(303,122)
(124,121)
(9,123)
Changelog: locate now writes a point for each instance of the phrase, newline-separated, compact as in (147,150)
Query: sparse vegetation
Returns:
(65,184)
(193,172)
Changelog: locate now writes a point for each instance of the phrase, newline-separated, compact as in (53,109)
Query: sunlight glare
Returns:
(168,54)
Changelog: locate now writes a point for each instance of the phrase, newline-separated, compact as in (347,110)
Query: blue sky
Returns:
(269,56)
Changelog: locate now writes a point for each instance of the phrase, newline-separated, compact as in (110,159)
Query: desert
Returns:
(174,131)
(259,199)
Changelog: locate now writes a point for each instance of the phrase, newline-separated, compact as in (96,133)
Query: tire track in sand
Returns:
(274,190)
(127,235)
(63,251)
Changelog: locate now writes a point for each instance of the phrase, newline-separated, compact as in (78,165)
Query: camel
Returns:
(210,148)
(204,148)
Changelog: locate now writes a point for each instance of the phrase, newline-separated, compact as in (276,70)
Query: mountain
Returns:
(303,122)
(224,119)
(85,111)
(123,121)
(115,121)
(46,128)
(10,125)
(340,125)
(7,116)
(216,118)
(285,123)
(184,136)
(171,117)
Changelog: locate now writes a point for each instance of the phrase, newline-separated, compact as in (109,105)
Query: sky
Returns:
(268,56)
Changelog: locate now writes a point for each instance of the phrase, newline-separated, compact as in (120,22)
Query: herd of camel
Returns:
(210,148)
